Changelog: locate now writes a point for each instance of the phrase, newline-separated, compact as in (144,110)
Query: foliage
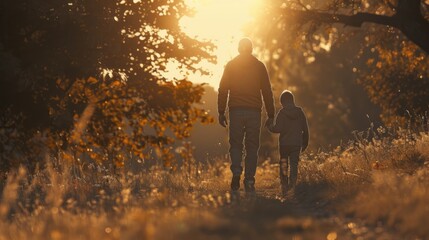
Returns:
(398,82)
(90,74)
(307,35)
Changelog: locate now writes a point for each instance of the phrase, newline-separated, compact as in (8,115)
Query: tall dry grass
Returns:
(381,180)
(57,203)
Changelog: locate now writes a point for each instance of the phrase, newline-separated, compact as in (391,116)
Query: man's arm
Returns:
(267,92)
(277,127)
(223,95)
(223,90)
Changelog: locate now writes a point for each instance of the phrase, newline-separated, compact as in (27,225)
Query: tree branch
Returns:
(351,20)
(408,19)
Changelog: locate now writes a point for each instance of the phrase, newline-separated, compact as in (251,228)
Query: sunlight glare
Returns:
(217,20)
(221,22)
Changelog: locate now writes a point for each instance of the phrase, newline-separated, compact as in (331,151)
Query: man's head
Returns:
(287,98)
(245,46)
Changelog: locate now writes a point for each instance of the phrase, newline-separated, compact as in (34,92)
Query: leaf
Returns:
(115,83)
(92,80)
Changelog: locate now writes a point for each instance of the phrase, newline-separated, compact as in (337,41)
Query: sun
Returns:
(221,22)
(217,19)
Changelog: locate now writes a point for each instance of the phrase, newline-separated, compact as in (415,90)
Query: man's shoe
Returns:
(235,183)
(249,186)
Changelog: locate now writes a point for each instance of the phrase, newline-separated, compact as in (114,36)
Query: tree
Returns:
(90,73)
(411,17)
(390,38)
(398,82)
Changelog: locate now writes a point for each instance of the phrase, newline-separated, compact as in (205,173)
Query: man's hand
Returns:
(222,120)
(269,123)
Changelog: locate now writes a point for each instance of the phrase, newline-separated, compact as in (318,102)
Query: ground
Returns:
(269,215)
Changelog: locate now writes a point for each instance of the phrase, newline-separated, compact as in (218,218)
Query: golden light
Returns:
(221,22)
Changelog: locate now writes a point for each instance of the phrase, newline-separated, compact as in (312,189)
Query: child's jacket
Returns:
(292,125)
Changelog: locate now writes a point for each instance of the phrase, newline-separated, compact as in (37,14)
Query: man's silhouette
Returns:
(244,82)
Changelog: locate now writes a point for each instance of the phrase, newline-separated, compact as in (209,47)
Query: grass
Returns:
(382,181)
(54,204)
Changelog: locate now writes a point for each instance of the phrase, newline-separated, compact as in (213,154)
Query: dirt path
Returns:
(266,215)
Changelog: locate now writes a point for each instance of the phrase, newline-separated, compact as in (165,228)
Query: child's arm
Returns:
(306,133)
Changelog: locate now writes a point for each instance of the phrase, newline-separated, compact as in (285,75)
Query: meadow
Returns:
(375,187)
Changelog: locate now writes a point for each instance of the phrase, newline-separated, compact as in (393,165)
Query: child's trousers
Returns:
(289,158)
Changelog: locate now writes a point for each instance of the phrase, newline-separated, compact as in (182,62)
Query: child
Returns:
(292,125)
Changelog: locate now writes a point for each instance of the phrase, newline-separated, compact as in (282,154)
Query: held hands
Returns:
(222,120)
(269,123)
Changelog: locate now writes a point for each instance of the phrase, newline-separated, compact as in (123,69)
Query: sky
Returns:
(222,22)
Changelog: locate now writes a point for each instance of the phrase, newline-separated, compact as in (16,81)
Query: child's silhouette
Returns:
(291,123)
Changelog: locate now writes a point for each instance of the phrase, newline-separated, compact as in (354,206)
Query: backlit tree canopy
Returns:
(93,72)
(410,17)
(390,39)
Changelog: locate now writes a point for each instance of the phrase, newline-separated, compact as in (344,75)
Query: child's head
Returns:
(287,97)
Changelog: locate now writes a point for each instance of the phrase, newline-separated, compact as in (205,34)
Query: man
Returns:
(243,81)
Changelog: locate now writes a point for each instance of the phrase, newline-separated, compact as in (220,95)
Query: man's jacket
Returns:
(244,79)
